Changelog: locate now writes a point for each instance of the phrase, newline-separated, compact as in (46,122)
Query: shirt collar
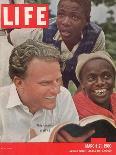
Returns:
(14,99)
(57,36)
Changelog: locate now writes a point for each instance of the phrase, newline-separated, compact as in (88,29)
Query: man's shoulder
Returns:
(64,90)
(64,94)
(93,26)
(52,21)
(49,33)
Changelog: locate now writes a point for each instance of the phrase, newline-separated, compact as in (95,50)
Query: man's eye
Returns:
(75,17)
(108,76)
(60,14)
(44,83)
(91,78)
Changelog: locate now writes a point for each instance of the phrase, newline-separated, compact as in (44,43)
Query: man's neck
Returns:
(107,105)
(70,44)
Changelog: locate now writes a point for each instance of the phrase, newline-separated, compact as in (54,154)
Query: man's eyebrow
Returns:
(108,71)
(76,11)
(91,72)
(42,81)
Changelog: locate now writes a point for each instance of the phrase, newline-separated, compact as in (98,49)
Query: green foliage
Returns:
(110,34)
(109,27)
(72,88)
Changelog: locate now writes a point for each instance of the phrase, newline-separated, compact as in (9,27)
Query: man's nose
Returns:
(66,20)
(100,81)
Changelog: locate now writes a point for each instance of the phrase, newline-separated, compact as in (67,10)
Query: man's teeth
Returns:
(51,97)
(100,92)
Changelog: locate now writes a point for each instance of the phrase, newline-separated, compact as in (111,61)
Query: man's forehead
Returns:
(44,72)
(50,78)
(64,4)
(98,61)
(43,59)
(37,63)
(76,8)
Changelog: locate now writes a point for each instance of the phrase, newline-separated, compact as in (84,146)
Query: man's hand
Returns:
(64,136)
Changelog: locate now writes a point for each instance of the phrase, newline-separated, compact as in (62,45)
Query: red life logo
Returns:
(24,16)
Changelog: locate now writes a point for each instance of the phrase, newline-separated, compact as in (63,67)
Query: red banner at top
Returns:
(24,16)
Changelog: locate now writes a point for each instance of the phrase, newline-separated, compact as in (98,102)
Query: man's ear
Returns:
(18,82)
(114,81)
(114,85)
(82,86)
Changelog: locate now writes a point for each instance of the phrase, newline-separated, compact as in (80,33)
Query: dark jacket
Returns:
(90,35)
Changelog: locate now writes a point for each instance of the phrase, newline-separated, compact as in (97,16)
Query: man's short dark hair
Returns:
(84,4)
(24,53)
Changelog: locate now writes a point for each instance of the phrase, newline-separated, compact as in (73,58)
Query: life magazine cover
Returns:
(57,77)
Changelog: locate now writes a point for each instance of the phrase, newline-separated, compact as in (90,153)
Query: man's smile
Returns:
(100,92)
(50,97)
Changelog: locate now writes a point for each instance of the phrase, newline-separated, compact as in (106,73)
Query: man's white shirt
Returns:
(16,120)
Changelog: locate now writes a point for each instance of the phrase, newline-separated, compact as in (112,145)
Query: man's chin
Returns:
(51,106)
(101,101)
